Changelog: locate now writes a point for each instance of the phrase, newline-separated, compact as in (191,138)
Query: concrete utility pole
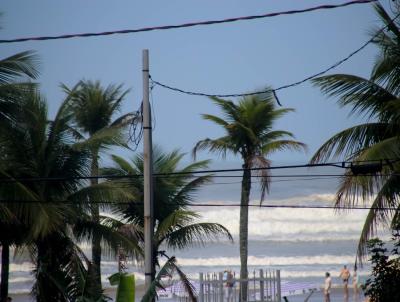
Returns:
(148,176)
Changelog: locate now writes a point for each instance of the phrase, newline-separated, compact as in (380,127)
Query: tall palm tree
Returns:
(249,132)
(13,70)
(94,108)
(51,214)
(36,147)
(175,225)
(377,99)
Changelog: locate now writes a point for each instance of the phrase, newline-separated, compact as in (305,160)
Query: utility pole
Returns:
(148,176)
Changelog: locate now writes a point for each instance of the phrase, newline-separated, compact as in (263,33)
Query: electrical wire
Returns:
(135,131)
(320,73)
(215,205)
(185,25)
(343,165)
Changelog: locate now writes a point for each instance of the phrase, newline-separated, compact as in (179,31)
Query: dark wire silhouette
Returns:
(320,73)
(184,25)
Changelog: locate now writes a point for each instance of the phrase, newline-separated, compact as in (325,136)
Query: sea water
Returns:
(303,243)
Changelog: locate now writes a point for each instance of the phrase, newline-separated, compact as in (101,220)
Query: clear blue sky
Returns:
(228,58)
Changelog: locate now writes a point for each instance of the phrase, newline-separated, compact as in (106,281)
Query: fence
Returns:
(262,286)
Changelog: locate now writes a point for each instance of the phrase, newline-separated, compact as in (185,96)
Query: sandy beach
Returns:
(336,296)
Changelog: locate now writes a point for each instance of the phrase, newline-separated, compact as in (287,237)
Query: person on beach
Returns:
(229,283)
(327,287)
(345,275)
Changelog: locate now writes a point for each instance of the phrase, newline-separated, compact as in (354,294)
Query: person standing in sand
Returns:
(345,275)
(327,287)
(229,283)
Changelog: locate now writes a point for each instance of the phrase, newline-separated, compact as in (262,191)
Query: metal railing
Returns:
(263,286)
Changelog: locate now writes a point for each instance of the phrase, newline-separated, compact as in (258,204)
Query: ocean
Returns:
(302,243)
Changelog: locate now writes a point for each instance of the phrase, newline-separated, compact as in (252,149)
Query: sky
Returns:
(228,58)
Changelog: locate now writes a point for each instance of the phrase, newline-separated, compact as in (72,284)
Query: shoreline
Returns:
(336,295)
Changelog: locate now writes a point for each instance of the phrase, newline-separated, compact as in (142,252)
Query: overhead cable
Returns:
(216,205)
(342,165)
(185,25)
(273,91)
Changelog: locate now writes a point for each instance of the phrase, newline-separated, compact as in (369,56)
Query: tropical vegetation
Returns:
(383,284)
(377,139)
(249,133)
(15,71)
(176,226)
(93,109)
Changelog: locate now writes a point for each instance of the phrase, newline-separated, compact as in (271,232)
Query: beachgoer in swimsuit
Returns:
(345,275)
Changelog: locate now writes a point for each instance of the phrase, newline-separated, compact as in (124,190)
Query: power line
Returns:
(343,165)
(217,205)
(185,25)
(320,73)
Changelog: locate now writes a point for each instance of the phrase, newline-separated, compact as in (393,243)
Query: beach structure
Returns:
(212,287)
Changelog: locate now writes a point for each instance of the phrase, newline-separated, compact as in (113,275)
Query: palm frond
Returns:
(220,146)
(168,269)
(280,145)
(350,140)
(197,234)
(381,212)
(19,65)
(364,96)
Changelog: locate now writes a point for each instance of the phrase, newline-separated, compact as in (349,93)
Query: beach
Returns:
(336,296)
(303,244)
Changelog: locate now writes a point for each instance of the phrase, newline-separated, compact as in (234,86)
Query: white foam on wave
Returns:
(268,261)
(21,267)
(291,224)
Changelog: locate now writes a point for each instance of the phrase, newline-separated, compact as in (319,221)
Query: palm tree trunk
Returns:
(243,230)
(5,266)
(94,287)
(46,288)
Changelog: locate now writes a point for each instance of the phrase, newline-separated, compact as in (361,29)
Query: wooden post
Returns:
(261,285)
(201,293)
(278,284)
(221,287)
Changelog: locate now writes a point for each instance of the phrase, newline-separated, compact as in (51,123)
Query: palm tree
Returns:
(35,147)
(377,99)
(51,214)
(94,108)
(176,227)
(249,133)
(12,70)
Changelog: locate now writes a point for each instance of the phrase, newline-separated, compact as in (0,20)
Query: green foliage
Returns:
(383,286)
(376,99)
(126,287)
(168,270)
(249,132)
(175,225)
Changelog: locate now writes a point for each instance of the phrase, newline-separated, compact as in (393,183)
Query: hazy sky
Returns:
(228,58)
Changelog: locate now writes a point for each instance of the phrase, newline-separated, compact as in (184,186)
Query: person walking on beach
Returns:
(345,275)
(327,287)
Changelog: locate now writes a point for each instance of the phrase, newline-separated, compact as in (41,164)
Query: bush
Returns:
(384,284)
